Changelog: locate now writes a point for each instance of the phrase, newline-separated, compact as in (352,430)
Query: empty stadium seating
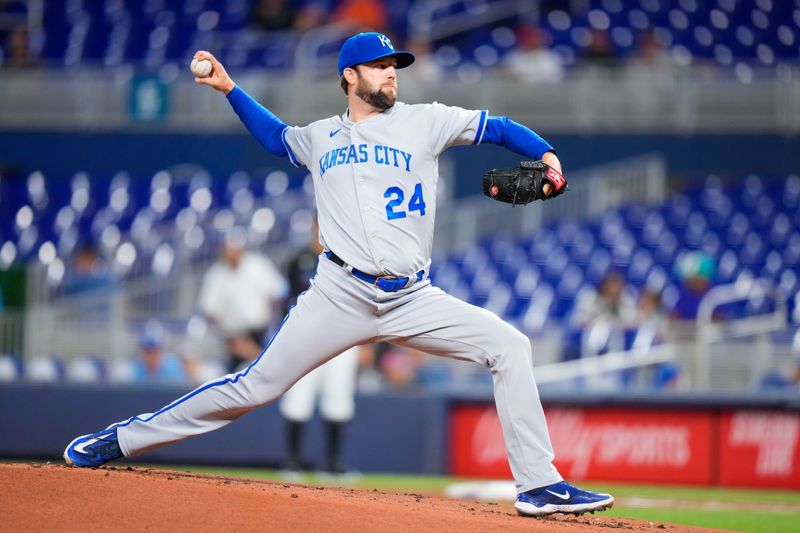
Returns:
(146,224)
(749,227)
(158,32)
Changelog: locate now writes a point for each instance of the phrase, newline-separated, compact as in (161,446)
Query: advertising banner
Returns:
(760,449)
(604,444)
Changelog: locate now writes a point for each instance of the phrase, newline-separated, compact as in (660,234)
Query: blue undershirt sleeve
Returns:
(503,131)
(265,126)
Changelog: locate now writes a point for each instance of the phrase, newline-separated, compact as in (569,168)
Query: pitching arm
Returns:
(262,124)
(260,121)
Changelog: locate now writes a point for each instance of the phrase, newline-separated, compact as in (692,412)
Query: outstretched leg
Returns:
(315,330)
(437,323)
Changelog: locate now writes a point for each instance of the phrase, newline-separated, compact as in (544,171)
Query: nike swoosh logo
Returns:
(564,496)
(334,132)
(81,448)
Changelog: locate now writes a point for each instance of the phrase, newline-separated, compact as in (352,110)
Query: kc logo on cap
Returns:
(385,41)
(369,46)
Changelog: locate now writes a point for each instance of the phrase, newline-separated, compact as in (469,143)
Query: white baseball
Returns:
(200,67)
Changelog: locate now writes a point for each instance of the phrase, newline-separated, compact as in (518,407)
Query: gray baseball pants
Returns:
(339,312)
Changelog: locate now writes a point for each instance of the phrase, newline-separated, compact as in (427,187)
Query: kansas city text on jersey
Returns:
(361,153)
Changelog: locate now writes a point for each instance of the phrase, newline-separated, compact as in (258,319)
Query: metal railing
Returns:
(752,350)
(588,101)
(712,353)
(595,365)
(87,324)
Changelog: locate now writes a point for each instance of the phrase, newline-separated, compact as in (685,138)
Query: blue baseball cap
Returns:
(148,341)
(369,46)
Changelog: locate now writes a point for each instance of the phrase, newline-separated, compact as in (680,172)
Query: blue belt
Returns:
(386,283)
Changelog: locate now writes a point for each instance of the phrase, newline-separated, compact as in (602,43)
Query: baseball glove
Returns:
(523,185)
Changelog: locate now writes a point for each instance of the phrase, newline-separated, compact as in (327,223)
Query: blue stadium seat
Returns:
(157,32)
(10,368)
(85,370)
(43,368)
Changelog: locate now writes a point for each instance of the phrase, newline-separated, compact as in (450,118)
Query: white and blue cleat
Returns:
(561,498)
(95,449)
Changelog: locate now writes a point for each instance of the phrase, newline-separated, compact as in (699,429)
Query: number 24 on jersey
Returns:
(394,209)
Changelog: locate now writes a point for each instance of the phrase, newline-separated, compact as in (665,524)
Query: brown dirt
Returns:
(36,497)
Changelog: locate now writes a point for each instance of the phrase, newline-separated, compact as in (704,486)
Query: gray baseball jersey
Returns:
(375,184)
(375,180)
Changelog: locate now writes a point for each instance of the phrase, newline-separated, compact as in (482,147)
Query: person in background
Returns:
(16,53)
(278,15)
(362,15)
(92,289)
(652,329)
(426,68)
(333,384)
(271,15)
(651,56)
(651,320)
(239,296)
(155,364)
(696,271)
(598,322)
(600,50)
(311,14)
(611,302)
(88,272)
(532,61)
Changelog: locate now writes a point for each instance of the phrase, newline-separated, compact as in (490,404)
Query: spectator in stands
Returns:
(91,288)
(598,323)
(276,15)
(310,15)
(651,330)
(611,301)
(16,53)
(533,61)
(425,65)
(88,272)
(272,15)
(362,15)
(650,55)
(155,364)
(239,295)
(651,320)
(599,50)
(696,271)
(651,67)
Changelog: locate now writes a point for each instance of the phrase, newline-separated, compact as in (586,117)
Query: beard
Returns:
(378,99)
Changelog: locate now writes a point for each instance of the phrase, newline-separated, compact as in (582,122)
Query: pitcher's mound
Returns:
(36,497)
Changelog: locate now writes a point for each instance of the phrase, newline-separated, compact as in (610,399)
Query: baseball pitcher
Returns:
(375,172)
